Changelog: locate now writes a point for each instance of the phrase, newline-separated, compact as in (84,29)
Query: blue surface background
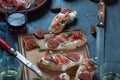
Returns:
(87,16)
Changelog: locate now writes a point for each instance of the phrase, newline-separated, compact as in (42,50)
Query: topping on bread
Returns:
(29,42)
(58,61)
(87,70)
(63,76)
(84,76)
(73,56)
(63,18)
(52,43)
(66,41)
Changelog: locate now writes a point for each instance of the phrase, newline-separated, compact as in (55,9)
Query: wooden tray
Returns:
(34,55)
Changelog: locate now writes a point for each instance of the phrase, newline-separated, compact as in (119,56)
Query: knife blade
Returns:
(100,32)
(18,55)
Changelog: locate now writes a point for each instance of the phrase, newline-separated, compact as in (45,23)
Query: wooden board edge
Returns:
(24,69)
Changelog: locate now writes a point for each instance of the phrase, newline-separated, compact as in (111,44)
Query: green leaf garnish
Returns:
(36,79)
(42,50)
(69,33)
(52,26)
(63,21)
(47,79)
(37,45)
(61,52)
(92,63)
(42,61)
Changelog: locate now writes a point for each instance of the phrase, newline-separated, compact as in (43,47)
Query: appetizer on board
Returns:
(66,41)
(59,61)
(29,42)
(66,16)
(39,33)
(87,70)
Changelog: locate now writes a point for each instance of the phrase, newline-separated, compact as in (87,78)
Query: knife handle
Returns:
(101,14)
(4,45)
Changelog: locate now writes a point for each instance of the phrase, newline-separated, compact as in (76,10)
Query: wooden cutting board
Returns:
(34,55)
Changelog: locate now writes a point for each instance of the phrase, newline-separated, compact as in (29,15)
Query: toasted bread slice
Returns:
(59,61)
(63,18)
(87,70)
(66,41)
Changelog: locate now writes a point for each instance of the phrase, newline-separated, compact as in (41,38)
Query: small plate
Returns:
(34,5)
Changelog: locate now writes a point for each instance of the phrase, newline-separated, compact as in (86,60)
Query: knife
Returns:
(100,32)
(18,55)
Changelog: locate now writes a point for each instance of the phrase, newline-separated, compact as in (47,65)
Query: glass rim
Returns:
(23,15)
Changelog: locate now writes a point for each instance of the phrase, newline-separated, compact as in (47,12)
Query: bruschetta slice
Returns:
(63,18)
(87,70)
(59,61)
(66,41)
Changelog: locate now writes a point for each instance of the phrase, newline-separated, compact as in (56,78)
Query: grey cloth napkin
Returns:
(2,35)
(2,30)
(7,36)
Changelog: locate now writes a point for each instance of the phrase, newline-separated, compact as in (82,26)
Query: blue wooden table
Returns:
(87,16)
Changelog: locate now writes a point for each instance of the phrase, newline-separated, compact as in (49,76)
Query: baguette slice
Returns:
(87,70)
(66,41)
(59,61)
(63,18)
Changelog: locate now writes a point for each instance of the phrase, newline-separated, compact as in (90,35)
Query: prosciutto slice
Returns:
(15,3)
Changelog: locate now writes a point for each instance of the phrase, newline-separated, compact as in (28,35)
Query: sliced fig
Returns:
(47,56)
(73,56)
(84,76)
(28,37)
(57,78)
(31,44)
(93,31)
(57,59)
(51,58)
(52,43)
(67,10)
(63,76)
(39,33)
(63,59)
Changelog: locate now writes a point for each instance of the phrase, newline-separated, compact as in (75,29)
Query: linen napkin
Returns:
(2,35)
